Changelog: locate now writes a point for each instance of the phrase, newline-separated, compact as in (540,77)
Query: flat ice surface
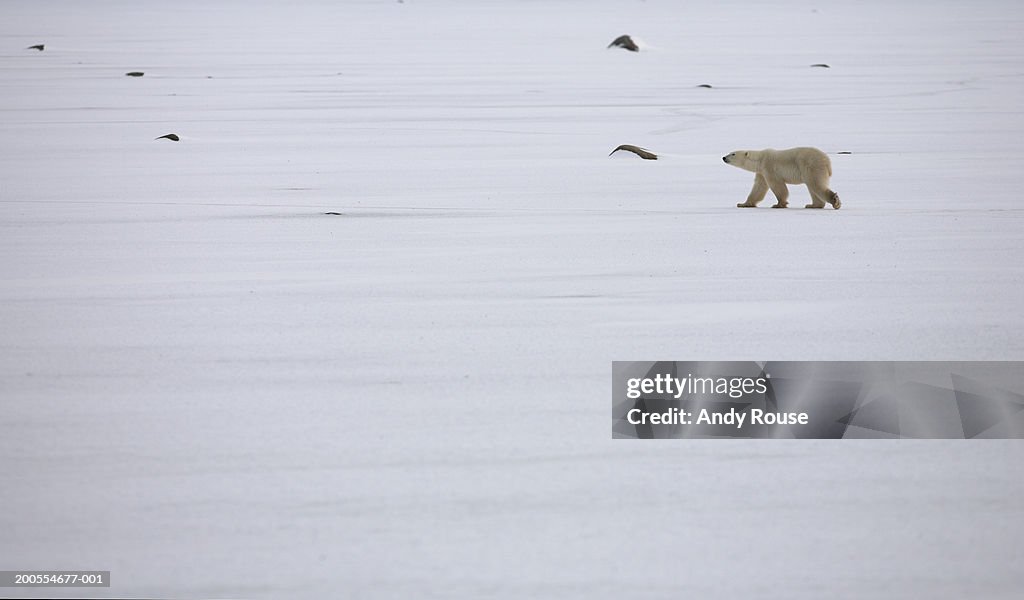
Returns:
(213,389)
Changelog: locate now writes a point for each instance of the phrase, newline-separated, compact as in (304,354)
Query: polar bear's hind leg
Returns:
(815,202)
(817,185)
(818,196)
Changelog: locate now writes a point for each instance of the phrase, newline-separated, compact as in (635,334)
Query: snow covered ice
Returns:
(211,388)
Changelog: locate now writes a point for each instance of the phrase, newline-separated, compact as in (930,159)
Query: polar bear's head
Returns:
(744,159)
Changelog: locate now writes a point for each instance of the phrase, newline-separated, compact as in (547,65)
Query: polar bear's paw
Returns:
(780,205)
(745,205)
(834,201)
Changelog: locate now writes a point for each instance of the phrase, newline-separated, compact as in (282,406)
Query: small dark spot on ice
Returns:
(624,41)
(170,136)
(643,153)
(39,47)
(336,214)
(705,85)
(821,65)
(844,152)
(134,74)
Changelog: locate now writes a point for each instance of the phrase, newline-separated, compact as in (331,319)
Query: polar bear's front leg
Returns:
(781,192)
(756,193)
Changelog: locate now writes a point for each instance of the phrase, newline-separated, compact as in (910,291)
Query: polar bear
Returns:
(776,168)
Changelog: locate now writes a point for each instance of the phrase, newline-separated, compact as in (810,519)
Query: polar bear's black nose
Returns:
(725,159)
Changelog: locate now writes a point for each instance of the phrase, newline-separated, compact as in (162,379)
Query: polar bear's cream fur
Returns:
(775,168)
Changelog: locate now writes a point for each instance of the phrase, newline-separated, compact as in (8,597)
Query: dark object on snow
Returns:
(39,47)
(641,152)
(821,65)
(705,85)
(170,136)
(134,74)
(844,152)
(338,214)
(624,41)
